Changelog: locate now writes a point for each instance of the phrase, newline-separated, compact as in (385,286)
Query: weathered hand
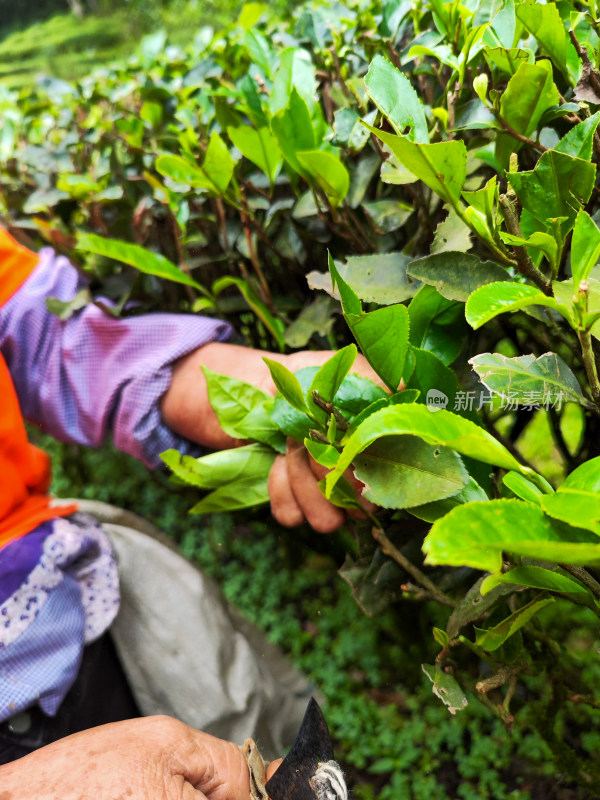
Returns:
(293,482)
(155,758)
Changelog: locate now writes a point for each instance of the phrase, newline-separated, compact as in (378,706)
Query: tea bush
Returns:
(432,166)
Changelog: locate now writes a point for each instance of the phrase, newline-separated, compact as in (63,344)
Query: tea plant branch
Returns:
(498,710)
(589,362)
(379,149)
(340,420)
(505,673)
(348,212)
(519,136)
(510,693)
(452,100)
(417,592)
(584,699)
(264,286)
(559,439)
(222,221)
(588,67)
(180,255)
(524,263)
(330,219)
(394,553)
(338,71)
(584,576)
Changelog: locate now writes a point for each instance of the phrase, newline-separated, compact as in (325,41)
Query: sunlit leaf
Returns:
(135,256)
(476,535)
(394,96)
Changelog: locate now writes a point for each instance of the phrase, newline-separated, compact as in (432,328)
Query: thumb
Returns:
(273,767)
(189,793)
(214,769)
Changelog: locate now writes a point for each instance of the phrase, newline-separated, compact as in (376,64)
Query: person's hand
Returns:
(293,482)
(154,758)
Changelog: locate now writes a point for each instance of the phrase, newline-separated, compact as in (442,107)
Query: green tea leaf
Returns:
(222,467)
(260,51)
(350,302)
(353,396)
(524,489)
(218,164)
(456,275)
(544,22)
(538,240)
(379,278)
(242,409)
(231,399)
(577,507)
(65,309)
(324,454)
(296,75)
(527,380)
(233,496)
(405,396)
(274,325)
(293,128)
(474,605)
(328,171)
(558,186)
(585,247)
(375,581)
(452,235)
(287,383)
(492,638)
(507,59)
(135,256)
(529,93)
(446,688)
(394,96)
(259,146)
(441,166)
(439,428)
(579,141)
(431,376)
(317,317)
(498,298)
(382,335)
(214,175)
(330,376)
(577,499)
(541,578)
(437,324)
(564,292)
(477,534)
(404,471)
(429,512)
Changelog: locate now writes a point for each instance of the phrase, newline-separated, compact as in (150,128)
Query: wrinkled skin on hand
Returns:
(293,482)
(153,758)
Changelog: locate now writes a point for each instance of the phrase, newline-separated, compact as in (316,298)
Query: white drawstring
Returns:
(328,782)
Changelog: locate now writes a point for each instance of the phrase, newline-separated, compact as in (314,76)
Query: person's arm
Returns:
(140,379)
(155,758)
(84,378)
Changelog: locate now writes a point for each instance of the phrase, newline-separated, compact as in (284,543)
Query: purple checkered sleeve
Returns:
(83,378)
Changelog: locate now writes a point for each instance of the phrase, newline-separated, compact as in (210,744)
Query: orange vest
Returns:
(24,469)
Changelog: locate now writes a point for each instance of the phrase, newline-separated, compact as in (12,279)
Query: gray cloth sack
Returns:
(187,652)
